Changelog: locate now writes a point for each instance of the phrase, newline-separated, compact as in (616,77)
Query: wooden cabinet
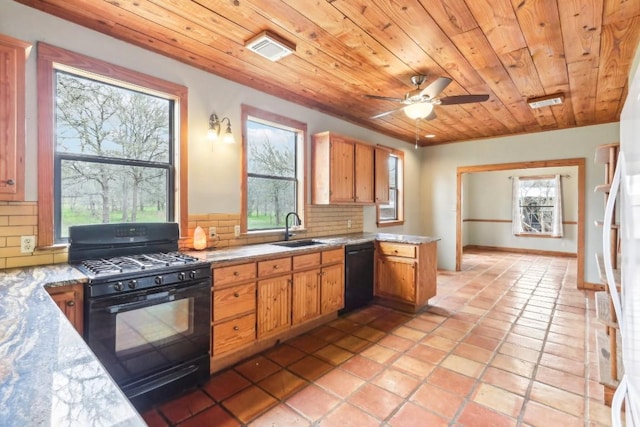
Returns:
(332,288)
(406,274)
(233,308)
(13,55)
(305,297)
(343,171)
(381,175)
(69,299)
(274,305)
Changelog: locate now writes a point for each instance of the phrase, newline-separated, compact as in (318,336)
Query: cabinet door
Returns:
(274,305)
(381,174)
(12,117)
(69,299)
(306,296)
(396,278)
(332,288)
(341,175)
(363,173)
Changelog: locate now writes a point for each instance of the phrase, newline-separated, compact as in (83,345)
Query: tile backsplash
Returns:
(21,219)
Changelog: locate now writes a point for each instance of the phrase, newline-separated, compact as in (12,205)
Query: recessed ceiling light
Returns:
(270,46)
(429,135)
(546,101)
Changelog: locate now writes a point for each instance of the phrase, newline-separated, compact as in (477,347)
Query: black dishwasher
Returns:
(358,276)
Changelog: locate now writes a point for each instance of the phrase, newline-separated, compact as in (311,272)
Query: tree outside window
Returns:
(112,156)
(537,206)
(274,186)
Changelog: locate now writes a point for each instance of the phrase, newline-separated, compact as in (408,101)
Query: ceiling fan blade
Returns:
(377,116)
(463,99)
(435,88)
(385,98)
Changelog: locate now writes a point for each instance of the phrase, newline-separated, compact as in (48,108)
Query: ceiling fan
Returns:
(418,103)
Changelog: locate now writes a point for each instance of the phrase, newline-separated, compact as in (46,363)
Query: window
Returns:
(108,145)
(537,206)
(392,213)
(273,183)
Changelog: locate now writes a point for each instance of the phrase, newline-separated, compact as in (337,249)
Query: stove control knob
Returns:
(159,280)
(182,276)
(133,284)
(192,274)
(118,286)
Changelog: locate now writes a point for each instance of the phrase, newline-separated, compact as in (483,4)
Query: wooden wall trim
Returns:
(508,221)
(521,251)
(578,162)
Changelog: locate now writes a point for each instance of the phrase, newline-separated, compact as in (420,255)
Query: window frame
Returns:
(399,220)
(52,58)
(532,234)
(248,112)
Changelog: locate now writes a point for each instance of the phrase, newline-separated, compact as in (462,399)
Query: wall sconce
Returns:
(199,239)
(215,126)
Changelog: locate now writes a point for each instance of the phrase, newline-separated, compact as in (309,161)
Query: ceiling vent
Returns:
(546,101)
(270,46)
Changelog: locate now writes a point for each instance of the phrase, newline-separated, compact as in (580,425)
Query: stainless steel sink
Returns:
(297,243)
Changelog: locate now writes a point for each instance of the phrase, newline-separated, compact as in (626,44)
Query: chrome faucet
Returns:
(286,224)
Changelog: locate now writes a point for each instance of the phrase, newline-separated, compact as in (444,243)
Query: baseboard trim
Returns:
(520,251)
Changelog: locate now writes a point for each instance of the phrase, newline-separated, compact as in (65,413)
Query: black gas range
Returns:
(147,309)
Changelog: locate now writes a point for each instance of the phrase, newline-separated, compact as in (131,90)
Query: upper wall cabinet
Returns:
(13,55)
(343,171)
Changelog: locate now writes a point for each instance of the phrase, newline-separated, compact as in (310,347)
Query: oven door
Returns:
(142,334)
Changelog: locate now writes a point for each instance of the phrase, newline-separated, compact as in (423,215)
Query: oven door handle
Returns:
(150,300)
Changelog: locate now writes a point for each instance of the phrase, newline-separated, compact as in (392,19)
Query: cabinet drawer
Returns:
(306,260)
(274,266)
(232,301)
(334,255)
(234,274)
(397,249)
(234,333)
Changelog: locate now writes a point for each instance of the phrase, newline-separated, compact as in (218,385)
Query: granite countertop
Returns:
(252,252)
(48,375)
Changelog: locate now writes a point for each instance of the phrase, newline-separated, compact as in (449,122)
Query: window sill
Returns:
(544,236)
(389,223)
(269,233)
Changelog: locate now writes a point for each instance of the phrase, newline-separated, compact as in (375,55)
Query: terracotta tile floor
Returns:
(509,341)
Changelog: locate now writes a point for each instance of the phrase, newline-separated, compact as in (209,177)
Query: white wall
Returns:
(438,176)
(487,196)
(214,171)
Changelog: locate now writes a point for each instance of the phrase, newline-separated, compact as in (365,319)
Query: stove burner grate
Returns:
(133,263)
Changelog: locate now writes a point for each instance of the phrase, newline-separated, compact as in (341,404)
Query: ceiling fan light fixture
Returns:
(419,110)
(270,46)
(546,101)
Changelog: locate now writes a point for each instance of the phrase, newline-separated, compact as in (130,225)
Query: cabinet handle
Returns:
(10,182)
(236,328)
(235,273)
(71,303)
(275,267)
(237,295)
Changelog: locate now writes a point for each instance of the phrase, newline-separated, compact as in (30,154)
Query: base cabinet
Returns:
(69,299)
(257,304)
(406,274)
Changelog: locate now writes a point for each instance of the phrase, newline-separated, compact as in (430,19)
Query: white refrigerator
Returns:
(628,303)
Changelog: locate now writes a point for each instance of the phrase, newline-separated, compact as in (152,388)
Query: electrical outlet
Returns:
(348,223)
(212,232)
(236,230)
(27,244)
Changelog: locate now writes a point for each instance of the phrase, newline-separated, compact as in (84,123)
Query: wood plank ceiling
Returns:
(512,50)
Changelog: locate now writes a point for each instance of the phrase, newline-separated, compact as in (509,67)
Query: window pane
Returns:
(94,193)
(393,171)
(99,119)
(271,150)
(388,212)
(268,201)
(537,199)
